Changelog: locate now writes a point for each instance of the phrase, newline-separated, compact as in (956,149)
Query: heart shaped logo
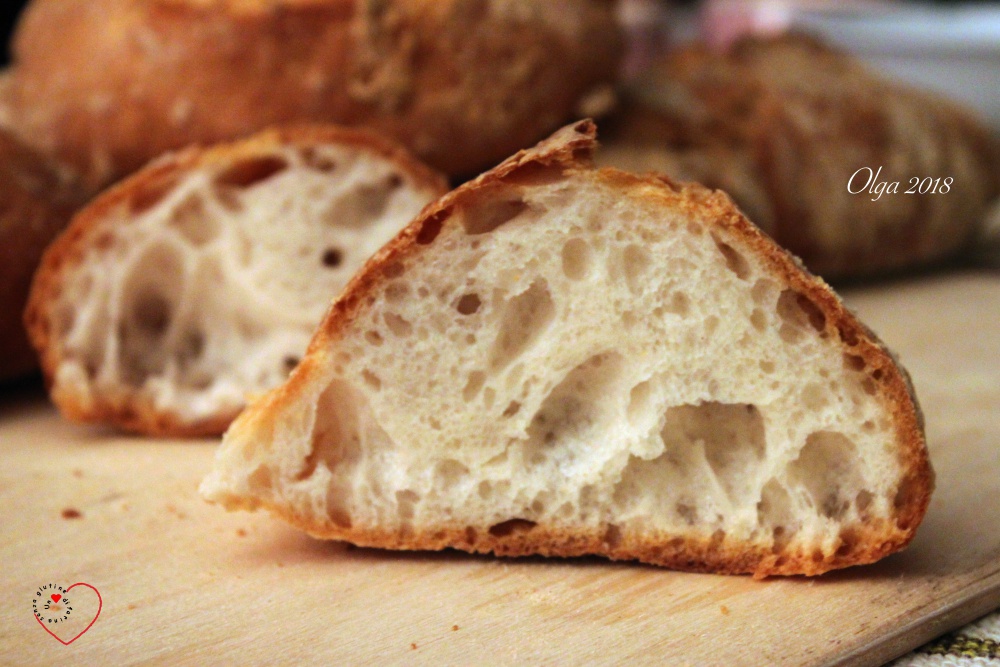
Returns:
(65,613)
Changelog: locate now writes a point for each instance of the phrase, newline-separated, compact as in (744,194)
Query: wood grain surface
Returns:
(184,583)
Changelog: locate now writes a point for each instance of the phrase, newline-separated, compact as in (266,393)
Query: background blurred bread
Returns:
(783,123)
(36,203)
(197,281)
(110,84)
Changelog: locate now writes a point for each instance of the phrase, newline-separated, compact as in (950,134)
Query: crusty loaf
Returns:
(110,84)
(198,280)
(782,125)
(36,203)
(558,360)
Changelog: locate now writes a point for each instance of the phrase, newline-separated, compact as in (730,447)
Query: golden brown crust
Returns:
(34,207)
(568,152)
(782,124)
(142,190)
(110,84)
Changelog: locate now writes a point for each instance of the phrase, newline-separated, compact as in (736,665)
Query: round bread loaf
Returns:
(110,84)
(783,124)
(34,208)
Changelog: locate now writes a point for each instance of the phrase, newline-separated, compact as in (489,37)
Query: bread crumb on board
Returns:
(72,513)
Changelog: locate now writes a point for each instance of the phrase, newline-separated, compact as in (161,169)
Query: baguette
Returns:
(562,361)
(197,281)
(111,84)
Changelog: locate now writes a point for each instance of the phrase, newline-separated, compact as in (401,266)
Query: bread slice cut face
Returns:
(560,360)
(199,280)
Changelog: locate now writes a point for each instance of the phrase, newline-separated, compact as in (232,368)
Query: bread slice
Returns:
(198,280)
(560,360)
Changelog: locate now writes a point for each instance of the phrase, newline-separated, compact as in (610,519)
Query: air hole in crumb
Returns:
(315,160)
(247,173)
(577,259)
(154,191)
(679,304)
(192,346)
(397,325)
(511,527)
(758,319)
(487,215)
(612,536)
(373,338)
(735,262)
(687,512)
(847,335)
(877,374)
(397,292)
(152,313)
(474,384)
(827,465)
(371,379)
(190,219)
(290,363)
(854,362)
(763,292)
(816,317)
(468,304)
(767,366)
(907,493)
(863,500)
(332,258)
(394,181)
(639,401)
(405,500)
(431,226)
(525,319)
(798,312)
(637,261)
(512,409)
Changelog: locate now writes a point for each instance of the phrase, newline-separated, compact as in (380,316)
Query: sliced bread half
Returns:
(560,360)
(199,280)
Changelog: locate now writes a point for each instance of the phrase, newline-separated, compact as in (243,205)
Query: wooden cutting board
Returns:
(183,582)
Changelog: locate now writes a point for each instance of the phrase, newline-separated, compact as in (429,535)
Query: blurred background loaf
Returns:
(36,202)
(109,84)
(783,124)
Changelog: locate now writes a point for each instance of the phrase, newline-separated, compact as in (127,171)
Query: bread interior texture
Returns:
(204,288)
(569,356)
